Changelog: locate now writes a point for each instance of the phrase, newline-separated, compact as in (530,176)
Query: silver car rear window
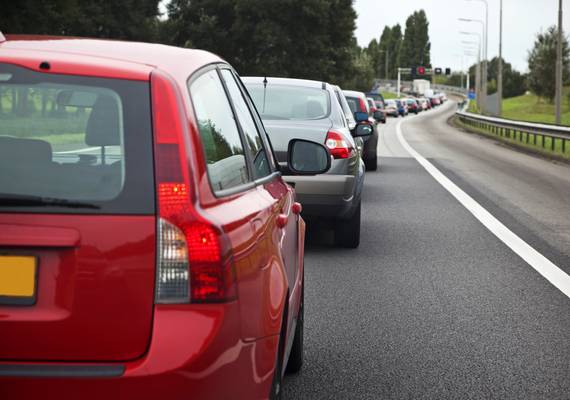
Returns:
(290,102)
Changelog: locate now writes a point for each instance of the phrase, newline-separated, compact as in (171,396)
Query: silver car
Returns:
(294,108)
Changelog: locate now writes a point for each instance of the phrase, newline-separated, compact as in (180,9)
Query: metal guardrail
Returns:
(524,132)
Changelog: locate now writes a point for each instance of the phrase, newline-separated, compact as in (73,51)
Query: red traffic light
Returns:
(421,70)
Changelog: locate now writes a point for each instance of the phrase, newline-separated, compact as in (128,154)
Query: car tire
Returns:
(347,232)
(296,356)
(372,163)
(277,382)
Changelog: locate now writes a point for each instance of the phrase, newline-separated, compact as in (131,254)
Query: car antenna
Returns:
(264,93)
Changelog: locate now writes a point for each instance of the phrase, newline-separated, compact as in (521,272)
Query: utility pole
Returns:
(500,66)
(399,79)
(485,65)
(559,66)
(387,54)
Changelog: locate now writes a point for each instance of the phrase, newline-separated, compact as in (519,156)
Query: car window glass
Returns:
(253,140)
(290,102)
(225,156)
(73,138)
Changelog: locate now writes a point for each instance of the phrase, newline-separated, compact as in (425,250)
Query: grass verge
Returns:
(389,95)
(520,143)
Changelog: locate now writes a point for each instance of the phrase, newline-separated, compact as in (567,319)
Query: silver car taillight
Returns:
(173,280)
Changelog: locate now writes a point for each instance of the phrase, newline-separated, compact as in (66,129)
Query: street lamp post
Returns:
(558,95)
(485,55)
(468,84)
(483,101)
(478,71)
(500,63)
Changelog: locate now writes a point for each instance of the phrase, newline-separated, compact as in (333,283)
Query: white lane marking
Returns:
(88,149)
(541,264)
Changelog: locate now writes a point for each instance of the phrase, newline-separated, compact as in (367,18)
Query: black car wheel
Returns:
(347,232)
(296,356)
(371,164)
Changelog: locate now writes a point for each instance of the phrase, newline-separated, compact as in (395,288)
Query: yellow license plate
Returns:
(18,279)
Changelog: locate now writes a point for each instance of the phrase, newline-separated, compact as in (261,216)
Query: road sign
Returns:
(421,70)
(448,71)
(438,71)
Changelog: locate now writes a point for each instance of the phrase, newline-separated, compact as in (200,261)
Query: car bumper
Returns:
(328,196)
(194,353)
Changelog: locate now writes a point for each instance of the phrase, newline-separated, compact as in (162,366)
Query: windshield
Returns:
(66,138)
(290,102)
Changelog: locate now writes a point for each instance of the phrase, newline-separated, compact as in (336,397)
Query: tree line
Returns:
(311,39)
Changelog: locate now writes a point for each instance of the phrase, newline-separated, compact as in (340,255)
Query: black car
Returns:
(358,103)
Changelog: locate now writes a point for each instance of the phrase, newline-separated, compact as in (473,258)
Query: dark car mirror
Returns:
(360,116)
(307,158)
(363,130)
(378,115)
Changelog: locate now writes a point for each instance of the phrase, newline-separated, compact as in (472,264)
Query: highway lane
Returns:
(432,305)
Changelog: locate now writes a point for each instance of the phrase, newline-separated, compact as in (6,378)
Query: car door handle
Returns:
(282,220)
(297,208)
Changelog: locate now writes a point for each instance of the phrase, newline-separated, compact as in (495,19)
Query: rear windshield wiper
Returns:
(15,200)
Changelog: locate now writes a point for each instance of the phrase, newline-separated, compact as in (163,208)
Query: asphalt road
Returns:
(432,305)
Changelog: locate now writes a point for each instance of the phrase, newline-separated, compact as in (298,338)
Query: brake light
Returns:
(193,260)
(338,146)
(362,105)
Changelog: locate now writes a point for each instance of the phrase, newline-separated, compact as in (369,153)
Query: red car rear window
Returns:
(74,144)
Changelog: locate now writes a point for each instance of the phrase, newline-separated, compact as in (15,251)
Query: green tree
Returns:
(126,19)
(373,51)
(310,39)
(542,65)
(384,52)
(514,83)
(392,46)
(416,46)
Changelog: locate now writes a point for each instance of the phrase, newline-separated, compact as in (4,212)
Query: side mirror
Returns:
(378,115)
(307,158)
(360,116)
(363,130)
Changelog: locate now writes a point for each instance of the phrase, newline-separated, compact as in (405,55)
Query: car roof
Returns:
(354,93)
(110,55)
(286,81)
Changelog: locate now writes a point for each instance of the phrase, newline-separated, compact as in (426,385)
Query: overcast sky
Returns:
(522,19)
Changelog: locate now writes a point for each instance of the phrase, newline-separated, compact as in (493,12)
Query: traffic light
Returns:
(438,71)
(421,70)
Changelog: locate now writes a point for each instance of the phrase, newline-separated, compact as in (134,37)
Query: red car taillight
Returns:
(193,262)
(338,146)
(362,105)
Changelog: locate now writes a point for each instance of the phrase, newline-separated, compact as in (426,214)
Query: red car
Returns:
(149,247)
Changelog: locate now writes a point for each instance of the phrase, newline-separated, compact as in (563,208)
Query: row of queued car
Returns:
(412,105)
(152,208)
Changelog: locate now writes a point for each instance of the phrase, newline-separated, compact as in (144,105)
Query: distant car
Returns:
(391,108)
(435,101)
(296,108)
(349,115)
(371,105)
(359,103)
(380,115)
(423,103)
(402,107)
(413,106)
(377,96)
(151,248)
